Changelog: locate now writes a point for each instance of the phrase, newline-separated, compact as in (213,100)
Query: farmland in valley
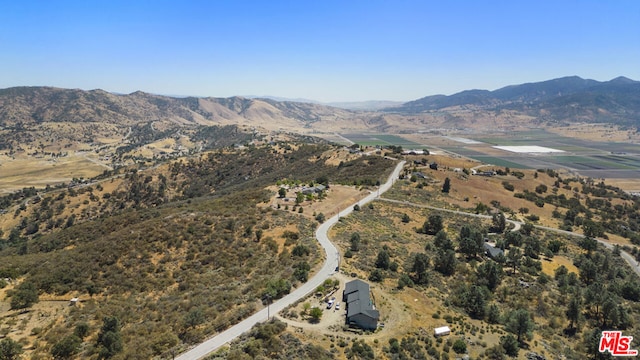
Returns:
(599,160)
(381,140)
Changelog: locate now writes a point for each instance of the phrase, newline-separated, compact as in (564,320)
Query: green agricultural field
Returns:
(471,153)
(381,140)
(590,163)
(499,162)
(629,162)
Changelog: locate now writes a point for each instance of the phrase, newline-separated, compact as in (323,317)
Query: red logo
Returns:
(617,344)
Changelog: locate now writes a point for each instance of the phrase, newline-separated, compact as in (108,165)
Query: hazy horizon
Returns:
(327,52)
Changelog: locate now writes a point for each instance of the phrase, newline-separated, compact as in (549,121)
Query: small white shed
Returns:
(441,331)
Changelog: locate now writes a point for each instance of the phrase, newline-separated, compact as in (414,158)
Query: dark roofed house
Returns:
(492,251)
(360,309)
(314,189)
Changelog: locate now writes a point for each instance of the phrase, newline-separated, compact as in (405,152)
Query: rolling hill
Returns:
(34,105)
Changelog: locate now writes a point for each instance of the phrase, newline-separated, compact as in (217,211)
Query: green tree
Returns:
(282,192)
(259,234)
(540,189)
(470,241)
(405,218)
(404,280)
(532,247)
(591,344)
(592,229)
(588,272)
(630,290)
(589,244)
(306,307)
(66,348)
(301,272)
(499,222)
(355,241)
(527,228)
(433,224)
(24,296)
(512,238)
(376,275)
(445,262)
(323,179)
(383,260)
(194,317)
(510,345)
(493,314)
(574,309)
(109,338)
(277,288)
(300,250)
(459,346)
(442,241)
(316,314)
(419,268)
(609,313)
(490,274)
(81,330)
(514,257)
(475,301)
(446,187)
(519,323)
(10,349)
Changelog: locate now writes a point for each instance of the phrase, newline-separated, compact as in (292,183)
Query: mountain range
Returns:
(562,99)
(558,101)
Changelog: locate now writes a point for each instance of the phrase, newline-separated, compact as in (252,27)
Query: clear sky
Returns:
(323,50)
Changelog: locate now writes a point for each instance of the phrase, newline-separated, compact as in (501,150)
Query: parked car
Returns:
(329,304)
(337,306)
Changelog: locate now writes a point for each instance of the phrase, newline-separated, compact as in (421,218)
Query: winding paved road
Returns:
(331,263)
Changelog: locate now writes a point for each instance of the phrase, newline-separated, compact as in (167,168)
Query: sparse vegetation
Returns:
(155,244)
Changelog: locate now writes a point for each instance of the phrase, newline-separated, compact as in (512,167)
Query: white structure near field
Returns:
(528,149)
(441,331)
(360,309)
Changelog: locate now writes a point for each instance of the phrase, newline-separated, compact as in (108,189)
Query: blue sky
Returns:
(322,50)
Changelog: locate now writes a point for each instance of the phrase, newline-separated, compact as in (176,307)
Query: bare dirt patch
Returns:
(549,266)
(337,198)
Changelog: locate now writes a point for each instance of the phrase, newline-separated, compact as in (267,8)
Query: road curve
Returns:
(329,267)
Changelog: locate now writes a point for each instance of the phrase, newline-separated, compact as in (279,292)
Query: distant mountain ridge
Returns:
(562,99)
(32,105)
(369,105)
